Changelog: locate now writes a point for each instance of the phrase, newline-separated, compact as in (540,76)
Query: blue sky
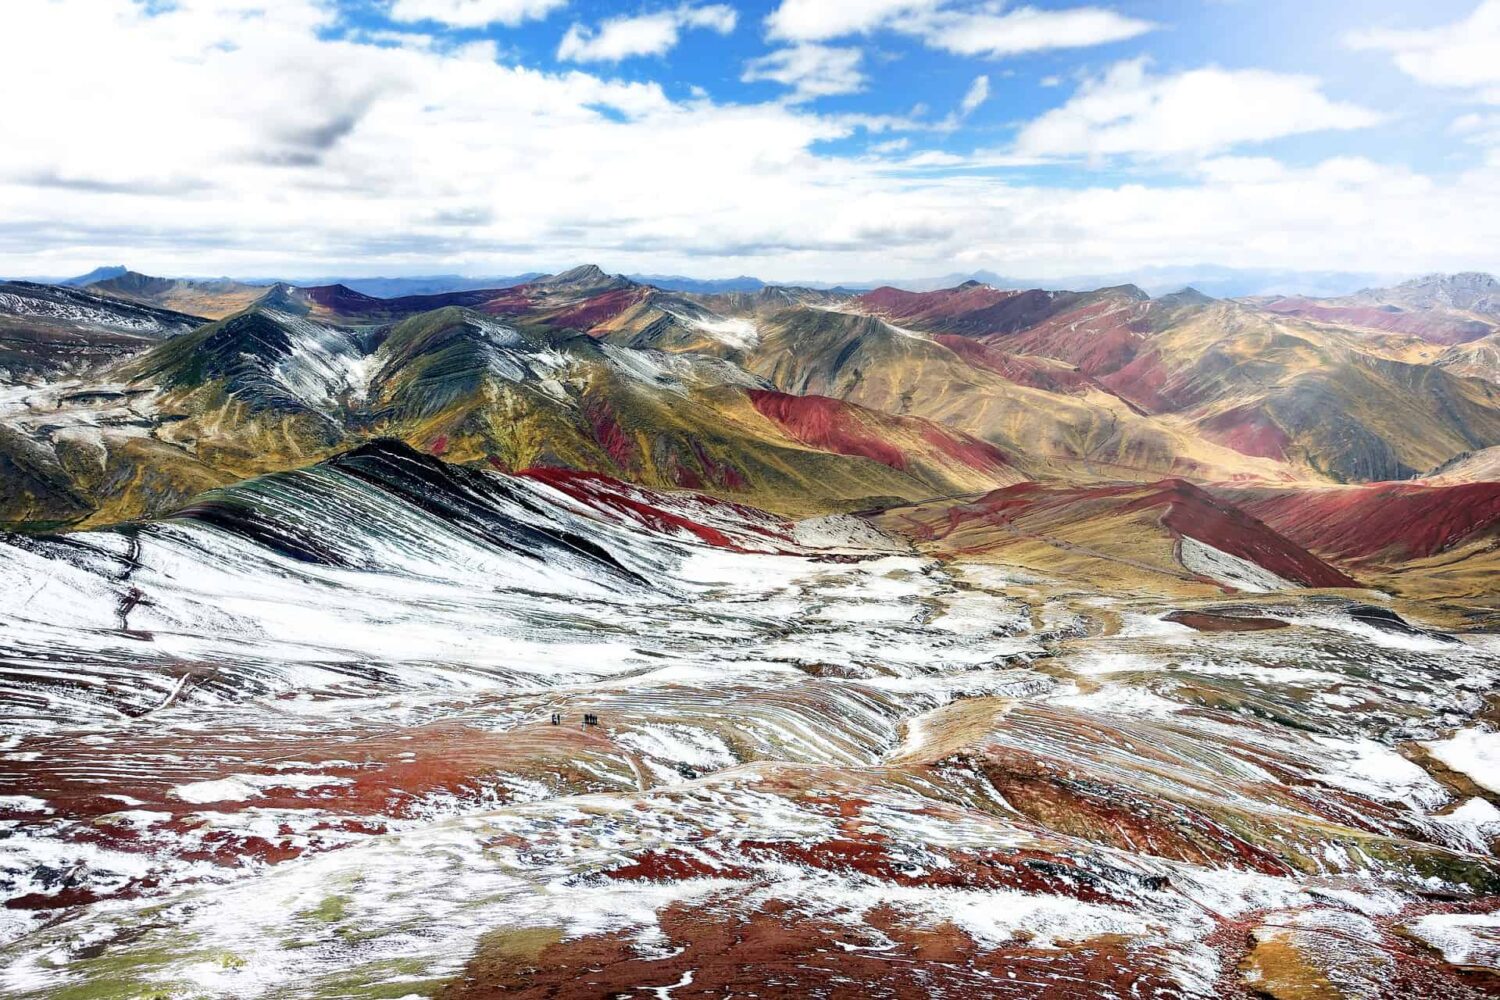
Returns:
(902,73)
(787,138)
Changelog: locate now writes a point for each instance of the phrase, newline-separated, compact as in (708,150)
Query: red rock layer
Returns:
(1392,521)
(1186,510)
(848,429)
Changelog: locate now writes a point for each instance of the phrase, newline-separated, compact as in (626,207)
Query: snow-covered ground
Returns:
(231,769)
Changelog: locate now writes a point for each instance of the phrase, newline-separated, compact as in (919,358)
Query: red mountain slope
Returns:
(1432,326)
(1119,523)
(848,429)
(1381,522)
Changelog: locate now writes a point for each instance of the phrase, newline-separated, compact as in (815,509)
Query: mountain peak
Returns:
(1462,279)
(583,276)
(1470,291)
(97,274)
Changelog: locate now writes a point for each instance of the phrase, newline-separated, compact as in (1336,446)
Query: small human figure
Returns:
(557,718)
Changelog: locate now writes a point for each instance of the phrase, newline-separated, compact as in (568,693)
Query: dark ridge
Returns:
(1188,296)
(229,513)
(464,498)
(1388,621)
(134,283)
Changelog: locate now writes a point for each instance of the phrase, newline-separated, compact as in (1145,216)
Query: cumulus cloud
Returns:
(1130,111)
(985,29)
(643,35)
(820,20)
(810,70)
(1465,54)
(473,13)
(1027,29)
(290,150)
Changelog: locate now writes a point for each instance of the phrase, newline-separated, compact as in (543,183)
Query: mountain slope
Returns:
(212,299)
(1447,309)
(1085,431)
(269,389)
(1421,539)
(51,331)
(1169,534)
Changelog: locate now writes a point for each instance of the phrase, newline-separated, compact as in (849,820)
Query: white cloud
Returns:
(473,13)
(973,99)
(820,20)
(978,93)
(1465,54)
(643,35)
(1129,111)
(1028,29)
(810,70)
(298,154)
(987,29)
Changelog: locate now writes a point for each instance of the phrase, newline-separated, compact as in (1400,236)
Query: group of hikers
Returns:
(589,719)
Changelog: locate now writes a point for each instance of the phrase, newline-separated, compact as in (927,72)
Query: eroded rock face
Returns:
(388,726)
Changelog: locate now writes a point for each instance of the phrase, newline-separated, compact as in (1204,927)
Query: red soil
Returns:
(1206,621)
(779,951)
(1381,521)
(1192,512)
(592,311)
(1186,510)
(616,442)
(1433,327)
(343,300)
(899,305)
(721,473)
(1249,430)
(1100,337)
(826,424)
(386,772)
(848,429)
(1143,382)
(1020,370)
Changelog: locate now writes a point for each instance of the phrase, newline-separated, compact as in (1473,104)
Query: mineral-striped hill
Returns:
(586,638)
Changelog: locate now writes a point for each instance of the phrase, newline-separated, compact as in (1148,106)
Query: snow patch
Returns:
(1474,752)
(1230,570)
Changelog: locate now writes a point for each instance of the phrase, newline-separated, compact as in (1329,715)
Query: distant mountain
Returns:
(211,298)
(703,286)
(804,399)
(402,287)
(97,274)
(1469,291)
(1447,309)
(1213,280)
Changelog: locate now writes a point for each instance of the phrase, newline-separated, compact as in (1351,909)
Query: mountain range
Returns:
(801,400)
(1217,280)
(583,635)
